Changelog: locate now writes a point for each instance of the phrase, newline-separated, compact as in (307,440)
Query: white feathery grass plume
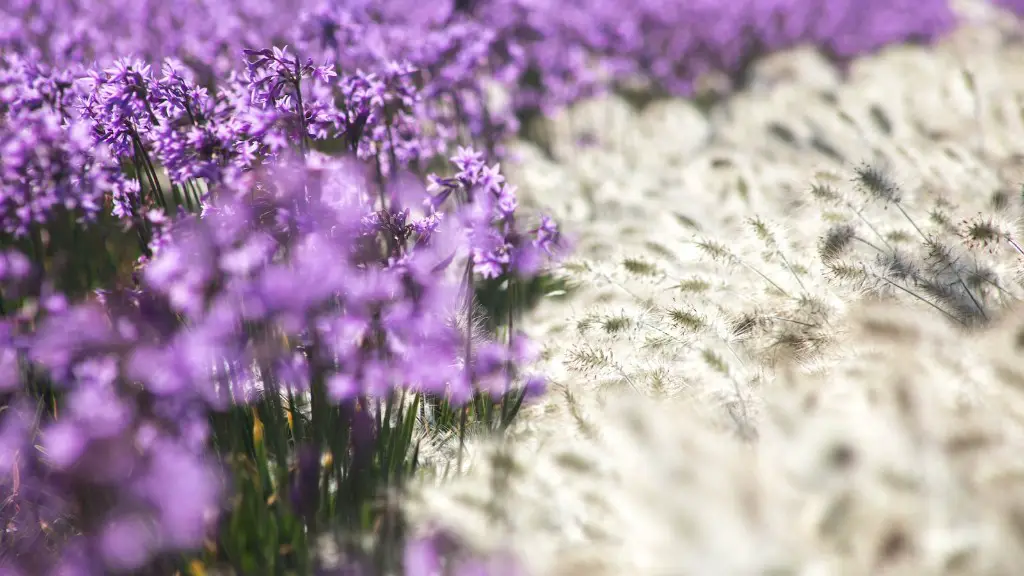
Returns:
(899,460)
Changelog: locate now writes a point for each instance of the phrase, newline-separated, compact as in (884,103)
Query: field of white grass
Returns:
(775,362)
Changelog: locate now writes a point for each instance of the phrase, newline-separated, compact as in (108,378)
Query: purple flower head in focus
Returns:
(51,165)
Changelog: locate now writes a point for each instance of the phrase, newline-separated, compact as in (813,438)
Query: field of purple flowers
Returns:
(254,253)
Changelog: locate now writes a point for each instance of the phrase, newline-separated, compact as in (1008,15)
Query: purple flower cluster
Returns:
(570,49)
(121,469)
(208,33)
(734,34)
(545,54)
(293,276)
(50,162)
(362,289)
(301,271)
(67,134)
(449,57)
(499,248)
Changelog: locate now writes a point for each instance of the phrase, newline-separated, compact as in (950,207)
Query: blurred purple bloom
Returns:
(50,166)
(1015,6)
(126,543)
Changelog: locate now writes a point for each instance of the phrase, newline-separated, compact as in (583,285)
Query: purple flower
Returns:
(548,236)
(64,444)
(127,543)
(439,553)
(10,358)
(422,558)
(469,162)
(184,490)
(50,167)
(535,386)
